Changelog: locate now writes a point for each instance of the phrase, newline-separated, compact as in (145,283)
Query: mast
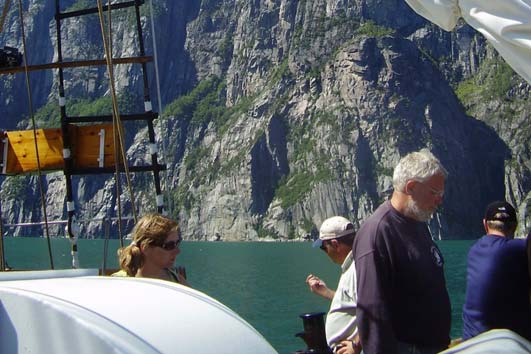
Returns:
(67,147)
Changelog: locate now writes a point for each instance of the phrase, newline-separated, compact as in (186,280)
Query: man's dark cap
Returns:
(500,210)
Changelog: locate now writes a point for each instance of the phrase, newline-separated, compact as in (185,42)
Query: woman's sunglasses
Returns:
(171,245)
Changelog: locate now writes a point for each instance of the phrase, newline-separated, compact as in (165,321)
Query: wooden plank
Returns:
(86,145)
(21,155)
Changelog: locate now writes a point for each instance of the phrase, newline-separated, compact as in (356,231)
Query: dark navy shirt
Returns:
(402,294)
(498,285)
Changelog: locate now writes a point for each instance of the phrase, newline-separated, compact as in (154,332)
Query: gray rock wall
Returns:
(313,104)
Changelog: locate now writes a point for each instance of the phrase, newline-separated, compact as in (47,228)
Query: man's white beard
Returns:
(413,210)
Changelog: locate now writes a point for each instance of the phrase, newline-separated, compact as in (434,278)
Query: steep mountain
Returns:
(279,114)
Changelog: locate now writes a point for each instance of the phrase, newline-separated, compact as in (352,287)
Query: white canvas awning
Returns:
(506,25)
(495,341)
(70,312)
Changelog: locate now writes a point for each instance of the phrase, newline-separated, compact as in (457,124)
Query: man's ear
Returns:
(485,226)
(408,188)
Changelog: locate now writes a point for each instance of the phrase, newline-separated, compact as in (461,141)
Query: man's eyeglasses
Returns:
(434,192)
(171,245)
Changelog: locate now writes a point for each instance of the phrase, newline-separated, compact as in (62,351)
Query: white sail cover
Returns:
(505,23)
(91,314)
(495,341)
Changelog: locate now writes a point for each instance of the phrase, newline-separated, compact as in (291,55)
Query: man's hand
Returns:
(319,287)
(348,347)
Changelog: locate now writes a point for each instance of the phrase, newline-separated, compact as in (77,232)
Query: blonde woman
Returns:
(152,253)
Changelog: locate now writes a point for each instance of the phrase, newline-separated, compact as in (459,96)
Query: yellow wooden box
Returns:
(21,155)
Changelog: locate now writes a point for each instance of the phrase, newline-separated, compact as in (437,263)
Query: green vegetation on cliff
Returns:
(371,29)
(493,80)
(293,188)
(49,115)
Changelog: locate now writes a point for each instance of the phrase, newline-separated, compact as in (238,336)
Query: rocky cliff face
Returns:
(279,114)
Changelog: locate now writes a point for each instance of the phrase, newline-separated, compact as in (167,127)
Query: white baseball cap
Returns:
(334,227)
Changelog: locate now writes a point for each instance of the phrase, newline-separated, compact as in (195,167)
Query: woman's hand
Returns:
(181,276)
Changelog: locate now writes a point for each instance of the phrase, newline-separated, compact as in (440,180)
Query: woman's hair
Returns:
(419,166)
(151,229)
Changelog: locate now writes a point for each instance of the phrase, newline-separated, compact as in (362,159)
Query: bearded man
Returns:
(403,305)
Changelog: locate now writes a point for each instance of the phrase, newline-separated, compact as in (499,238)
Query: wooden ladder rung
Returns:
(108,118)
(109,170)
(94,10)
(77,64)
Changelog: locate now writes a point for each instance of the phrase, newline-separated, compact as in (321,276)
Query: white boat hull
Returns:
(92,314)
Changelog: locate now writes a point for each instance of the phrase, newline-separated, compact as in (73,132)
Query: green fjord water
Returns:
(263,282)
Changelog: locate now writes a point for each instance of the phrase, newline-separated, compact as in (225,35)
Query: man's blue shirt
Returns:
(498,285)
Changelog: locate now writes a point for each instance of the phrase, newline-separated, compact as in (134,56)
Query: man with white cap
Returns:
(335,238)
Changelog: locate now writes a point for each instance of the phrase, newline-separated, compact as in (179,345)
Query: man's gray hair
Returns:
(419,166)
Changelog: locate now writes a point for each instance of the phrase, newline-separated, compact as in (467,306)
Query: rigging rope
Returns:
(2,257)
(4,15)
(159,99)
(117,178)
(30,110)
(116,128)
(106,244)
(117,123)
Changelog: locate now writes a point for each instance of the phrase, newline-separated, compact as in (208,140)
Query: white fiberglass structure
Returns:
(506,24)
(75,311)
